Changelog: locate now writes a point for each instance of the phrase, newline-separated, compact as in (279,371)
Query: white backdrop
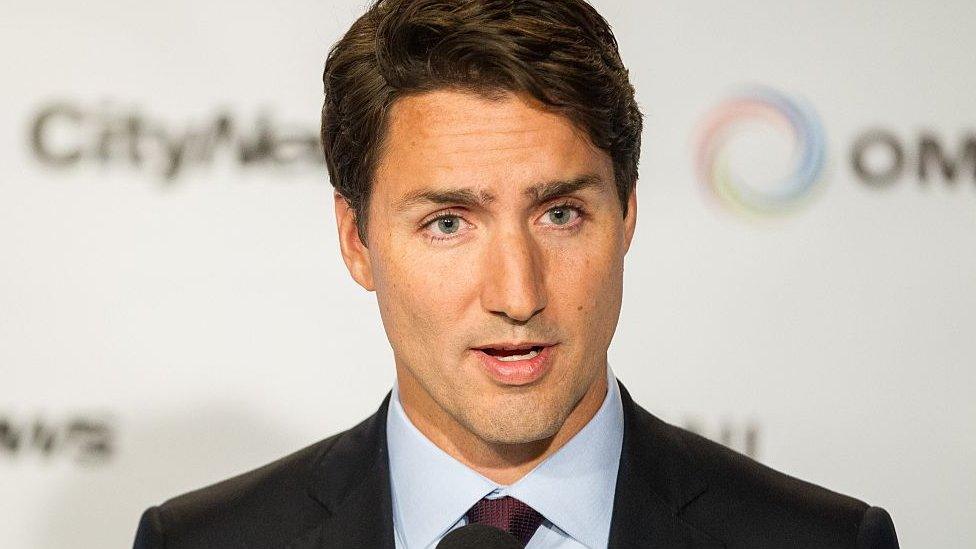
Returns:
(174,310)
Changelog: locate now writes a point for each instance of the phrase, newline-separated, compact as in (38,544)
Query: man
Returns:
(484,154)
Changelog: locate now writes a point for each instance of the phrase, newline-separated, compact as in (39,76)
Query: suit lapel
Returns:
(352,481)
(656,479)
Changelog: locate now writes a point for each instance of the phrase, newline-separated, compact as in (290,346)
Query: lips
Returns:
(510,355)
(515,364)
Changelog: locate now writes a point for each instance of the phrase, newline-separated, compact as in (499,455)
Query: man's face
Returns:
(494,233)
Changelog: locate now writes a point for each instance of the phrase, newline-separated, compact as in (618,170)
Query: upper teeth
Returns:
(531,354)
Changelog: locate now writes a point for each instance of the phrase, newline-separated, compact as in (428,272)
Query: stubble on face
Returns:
(505,275)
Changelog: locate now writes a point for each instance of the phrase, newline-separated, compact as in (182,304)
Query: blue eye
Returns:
(448,224)
(562,215)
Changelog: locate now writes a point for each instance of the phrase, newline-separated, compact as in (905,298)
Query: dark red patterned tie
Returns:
(508,514)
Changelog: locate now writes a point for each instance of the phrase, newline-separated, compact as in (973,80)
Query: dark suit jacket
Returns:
(674,489)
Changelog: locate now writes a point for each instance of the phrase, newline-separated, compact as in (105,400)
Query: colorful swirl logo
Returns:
(766,106)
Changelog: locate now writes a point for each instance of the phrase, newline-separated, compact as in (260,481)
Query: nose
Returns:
(514,284)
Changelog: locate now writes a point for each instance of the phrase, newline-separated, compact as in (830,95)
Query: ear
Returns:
(354,252)
(630,221)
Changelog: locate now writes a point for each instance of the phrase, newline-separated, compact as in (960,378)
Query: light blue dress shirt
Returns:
(573,488)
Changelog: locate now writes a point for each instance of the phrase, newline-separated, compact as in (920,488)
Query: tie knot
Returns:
(508,514)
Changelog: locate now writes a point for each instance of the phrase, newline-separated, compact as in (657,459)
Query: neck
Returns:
(500,462)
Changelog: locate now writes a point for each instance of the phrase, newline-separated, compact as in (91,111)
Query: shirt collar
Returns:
(573,488)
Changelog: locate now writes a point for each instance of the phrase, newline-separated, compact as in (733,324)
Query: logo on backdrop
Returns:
(878,157)
(68,135)
(752,111)
(881,158)
(82,439)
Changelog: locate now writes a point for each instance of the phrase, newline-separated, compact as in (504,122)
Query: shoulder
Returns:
(284,500)
(259,508)
(751,505)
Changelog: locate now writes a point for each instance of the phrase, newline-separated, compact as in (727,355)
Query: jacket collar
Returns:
(352,481)
(657,478)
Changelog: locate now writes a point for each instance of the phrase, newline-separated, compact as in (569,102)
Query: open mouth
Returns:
(516,363)
(511,355)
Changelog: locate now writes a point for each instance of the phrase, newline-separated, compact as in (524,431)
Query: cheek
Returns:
(586,281)
(421,296)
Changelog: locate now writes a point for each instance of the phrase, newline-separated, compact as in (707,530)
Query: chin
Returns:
(517,424)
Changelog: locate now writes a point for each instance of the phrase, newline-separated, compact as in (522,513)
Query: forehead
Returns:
(453,138)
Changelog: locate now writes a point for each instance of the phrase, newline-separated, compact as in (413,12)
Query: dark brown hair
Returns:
(561,52)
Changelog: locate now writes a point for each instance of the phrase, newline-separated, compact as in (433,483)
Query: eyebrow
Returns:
(466,196)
